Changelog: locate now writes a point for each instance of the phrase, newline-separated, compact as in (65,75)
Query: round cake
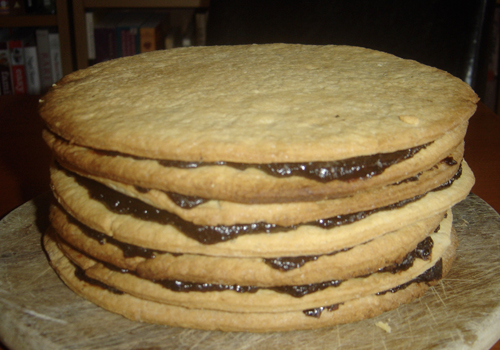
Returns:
(255,188)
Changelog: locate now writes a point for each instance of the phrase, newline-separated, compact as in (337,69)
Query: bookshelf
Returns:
(80,6)
(59,20)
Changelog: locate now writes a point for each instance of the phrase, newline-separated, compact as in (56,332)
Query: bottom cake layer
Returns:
(153,312)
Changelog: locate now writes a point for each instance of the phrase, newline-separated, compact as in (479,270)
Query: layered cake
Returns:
(255,188)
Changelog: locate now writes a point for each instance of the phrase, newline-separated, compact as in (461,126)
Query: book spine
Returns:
(105,44)
(43,51)
(32,70)
(89,26)
(201,28)
(16,56)
(128,42)
(55,57)
(148,39)
(4,8)
(5,77)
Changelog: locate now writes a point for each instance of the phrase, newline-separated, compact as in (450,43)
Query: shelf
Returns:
(28,21)
(145,3)
(79,7)
(59,20)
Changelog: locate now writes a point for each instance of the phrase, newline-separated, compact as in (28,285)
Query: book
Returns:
(128,38)
(201,19)
(89,27)
(43,52)
(55,57)
(5,78)
(16,59)
(173,38)
(105,37)
(32,69)
(4,8)
(152,33)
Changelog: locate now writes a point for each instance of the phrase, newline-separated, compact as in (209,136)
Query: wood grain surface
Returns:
(24,161)
(40,312)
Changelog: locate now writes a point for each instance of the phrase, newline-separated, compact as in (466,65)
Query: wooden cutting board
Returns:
(37,311)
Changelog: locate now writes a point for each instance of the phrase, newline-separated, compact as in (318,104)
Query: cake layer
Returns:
(388,249)
(217,212)
(246,186)
(257,104)
(321,316)
(318,237)
(249,298)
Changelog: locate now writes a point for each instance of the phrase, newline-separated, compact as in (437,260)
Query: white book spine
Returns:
(42,42)
(89,25)
(55,57)
(32,70)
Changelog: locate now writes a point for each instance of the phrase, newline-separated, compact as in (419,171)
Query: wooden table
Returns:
(24,158)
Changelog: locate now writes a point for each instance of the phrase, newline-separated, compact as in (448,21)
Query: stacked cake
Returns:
(255,188)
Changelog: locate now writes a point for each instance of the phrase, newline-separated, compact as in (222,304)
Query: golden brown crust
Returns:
(217,212)
(248,186)
(265,299)
(257,103)
(305,240)
(147,311)
(358,261)
(254,104)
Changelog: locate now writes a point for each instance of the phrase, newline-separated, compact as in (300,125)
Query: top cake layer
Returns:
(257,104)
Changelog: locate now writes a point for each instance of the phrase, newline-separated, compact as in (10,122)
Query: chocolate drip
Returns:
(346,169)
(316,312)
(300,291)
(295,291)
(422,251)
(186,202)
(129,250)
(80,274)
(450,161)
(450,181)
(433,274)
(294,262)
(179,286)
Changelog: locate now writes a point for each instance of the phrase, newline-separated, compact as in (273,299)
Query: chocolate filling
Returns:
(316,312)
(294,262)
(129,250)
(295,291)
(189,202)
(80,274)
(121,204)
(346,169)
(432,274)
(422,251)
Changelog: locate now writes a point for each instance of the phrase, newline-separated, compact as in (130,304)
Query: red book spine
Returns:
(19,81)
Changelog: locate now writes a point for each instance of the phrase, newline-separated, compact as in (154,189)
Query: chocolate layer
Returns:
(345,170)
(122,204)
(189,202)
(433,274)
